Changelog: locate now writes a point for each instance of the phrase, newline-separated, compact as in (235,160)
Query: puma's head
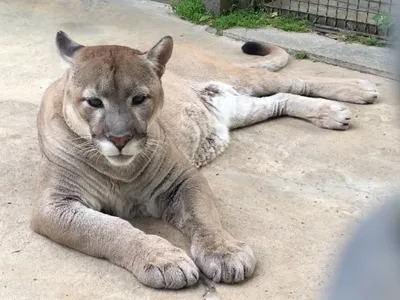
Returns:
(113,93)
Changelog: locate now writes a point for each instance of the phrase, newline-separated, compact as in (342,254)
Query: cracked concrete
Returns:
(288,188)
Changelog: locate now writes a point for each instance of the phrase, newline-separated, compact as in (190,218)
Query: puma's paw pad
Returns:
(163,265)
(229,261)
(365,92)
(333,116)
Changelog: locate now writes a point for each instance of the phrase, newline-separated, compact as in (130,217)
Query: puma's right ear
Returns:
(161,53)
(66,47)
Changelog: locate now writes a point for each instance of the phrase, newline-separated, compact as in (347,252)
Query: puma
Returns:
(114,147)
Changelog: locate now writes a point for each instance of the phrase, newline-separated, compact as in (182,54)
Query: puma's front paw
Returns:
(223,259)
(159,264)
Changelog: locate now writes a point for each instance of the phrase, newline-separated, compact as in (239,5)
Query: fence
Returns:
(365,17)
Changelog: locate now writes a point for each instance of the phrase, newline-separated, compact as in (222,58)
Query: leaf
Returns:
(205,18)
(333,36)
(274,14)
(376,17)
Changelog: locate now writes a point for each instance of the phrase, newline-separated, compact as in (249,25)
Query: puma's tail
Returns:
(274,58)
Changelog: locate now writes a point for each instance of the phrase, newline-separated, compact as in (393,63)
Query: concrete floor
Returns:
(288,188)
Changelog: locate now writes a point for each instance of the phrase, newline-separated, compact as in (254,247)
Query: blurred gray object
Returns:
(369,266)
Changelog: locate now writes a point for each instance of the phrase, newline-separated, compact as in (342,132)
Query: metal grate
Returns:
(366,17)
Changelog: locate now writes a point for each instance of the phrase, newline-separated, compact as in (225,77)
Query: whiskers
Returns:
(152,146)
(85,148)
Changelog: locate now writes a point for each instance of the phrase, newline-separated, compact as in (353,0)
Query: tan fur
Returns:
(87,187)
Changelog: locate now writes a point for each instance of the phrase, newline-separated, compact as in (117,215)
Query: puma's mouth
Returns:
(109,149)
(120,160)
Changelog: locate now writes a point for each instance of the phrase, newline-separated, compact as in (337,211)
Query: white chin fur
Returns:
(132,148)
(108,149)
(120,160)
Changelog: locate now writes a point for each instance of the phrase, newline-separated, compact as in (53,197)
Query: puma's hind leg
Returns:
(257,82)
(350,90)
(235,110)
(230,110)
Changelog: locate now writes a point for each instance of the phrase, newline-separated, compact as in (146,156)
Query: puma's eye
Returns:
(95,102)
(138,99)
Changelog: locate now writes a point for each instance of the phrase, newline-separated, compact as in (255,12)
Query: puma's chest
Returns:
(140,197)
(125,200)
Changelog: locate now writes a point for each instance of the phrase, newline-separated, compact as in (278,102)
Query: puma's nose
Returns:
(120,142)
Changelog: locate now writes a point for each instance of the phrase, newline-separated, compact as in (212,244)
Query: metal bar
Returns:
(336,14)
(317,8)
(327,8)
(329,29)
(354,15)
(357,13)
(298,7)
(367,16)
(390,16)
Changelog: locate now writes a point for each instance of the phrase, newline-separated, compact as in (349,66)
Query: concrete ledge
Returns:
(367,59)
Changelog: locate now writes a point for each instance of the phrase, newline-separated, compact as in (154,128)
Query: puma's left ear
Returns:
(161,53)
(66,46)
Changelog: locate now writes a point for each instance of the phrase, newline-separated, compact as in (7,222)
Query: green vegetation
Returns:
(301,55)
(383,20)
(369,41)
(193,11)
(257,19)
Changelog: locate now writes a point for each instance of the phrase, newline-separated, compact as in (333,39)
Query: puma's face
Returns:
(116,93)
(113,94)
